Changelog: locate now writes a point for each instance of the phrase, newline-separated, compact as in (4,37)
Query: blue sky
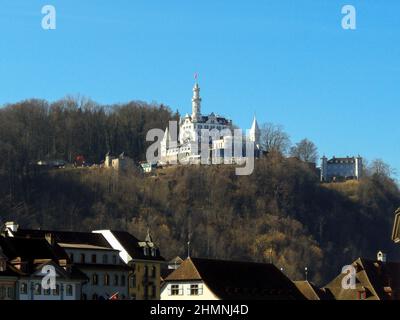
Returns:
(287,61)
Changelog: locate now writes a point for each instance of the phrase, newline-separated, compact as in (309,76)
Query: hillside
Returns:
(280,213)
(281,206)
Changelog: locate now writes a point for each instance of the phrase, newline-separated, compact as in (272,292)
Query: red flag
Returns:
(114,296)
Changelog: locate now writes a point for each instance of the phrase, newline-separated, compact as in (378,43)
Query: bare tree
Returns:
(274,138)
(380,168)
(305,150)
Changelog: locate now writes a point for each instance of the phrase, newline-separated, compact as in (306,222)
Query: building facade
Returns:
(108,264)
(120,163)
(339,169)
(208,279)
(144,259)
(208,139)
(373,280)
(8,278)
(29,261)
(107,274)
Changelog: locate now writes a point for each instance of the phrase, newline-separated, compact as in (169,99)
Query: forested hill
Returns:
(281,212)
(37,130)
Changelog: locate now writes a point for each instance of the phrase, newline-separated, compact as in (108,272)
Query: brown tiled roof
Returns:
(380,281)
(186,272)
(238,280)
(312,292)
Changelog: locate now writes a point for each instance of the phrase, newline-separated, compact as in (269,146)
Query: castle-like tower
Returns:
(196,103)
(191,128)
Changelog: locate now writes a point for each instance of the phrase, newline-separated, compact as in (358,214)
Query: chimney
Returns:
(12,226)
(381,257)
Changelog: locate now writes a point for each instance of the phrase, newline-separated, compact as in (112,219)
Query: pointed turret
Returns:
(254,134)
(166,139)
(165,143)
(148,236)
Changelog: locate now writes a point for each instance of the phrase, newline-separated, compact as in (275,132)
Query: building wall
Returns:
(30,293)
(140,285)
(185,292)
(101,289)
(145,283)
(89,269)
(8,288)
(75,256)
(350,168)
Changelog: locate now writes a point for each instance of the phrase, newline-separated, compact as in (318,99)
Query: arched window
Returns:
(83,258)
(69,290)
(37,289)
(95,279)
(56,291)
(115,280)
(106,279)
(105,258)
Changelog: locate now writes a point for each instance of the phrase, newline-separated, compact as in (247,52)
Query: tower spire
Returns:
(196,100)
(255,131)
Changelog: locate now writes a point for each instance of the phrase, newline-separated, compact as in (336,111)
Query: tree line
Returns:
(281,213)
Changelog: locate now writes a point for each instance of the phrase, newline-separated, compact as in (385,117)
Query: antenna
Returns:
(188,249)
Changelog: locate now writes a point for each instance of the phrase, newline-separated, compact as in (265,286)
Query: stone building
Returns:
(339,169)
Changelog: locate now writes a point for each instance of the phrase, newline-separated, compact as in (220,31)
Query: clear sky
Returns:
(287,61)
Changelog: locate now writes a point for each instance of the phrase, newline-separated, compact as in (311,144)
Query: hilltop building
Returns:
(120,163)
(219,142)
(339,169)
